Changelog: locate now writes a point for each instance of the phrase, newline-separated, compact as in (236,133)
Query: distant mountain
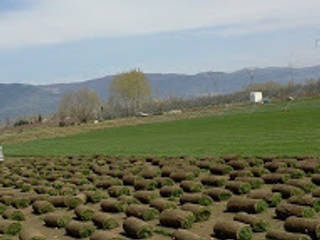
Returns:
(22,99)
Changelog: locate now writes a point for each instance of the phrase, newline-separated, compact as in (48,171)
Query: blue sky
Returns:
(51,41)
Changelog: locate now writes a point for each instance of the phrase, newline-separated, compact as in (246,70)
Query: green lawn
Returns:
(259,130)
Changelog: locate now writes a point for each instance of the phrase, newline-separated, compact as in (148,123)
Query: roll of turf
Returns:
(218,194)
(201,213)
(274,178)
(241,204)
(214,181)
(164,181)
(10,227)
(220,169)
(191,186)
(113,205)
(21,203)
(96,196)
(304,184)
(137,228)
(240,173)
(79,229)
(103,235)
(257,224)
(3,208)
(283,235)
(316,179)
(28,233)
(171,191)
(145,184)
(73,202)
(162,204)
(129,179)
(146,196)
(177,218)
(285,210)
(293,172)
(104,221)
(273,199)
(84,213)
(232,230)
(183,234)
(181,175)
(57,201)
(13,214)
(41,207)
(306,200)
(259,171)
(238,187)
(255,182)
(310,227)
(141,211)
(57,220)
(287,190)
(199,198)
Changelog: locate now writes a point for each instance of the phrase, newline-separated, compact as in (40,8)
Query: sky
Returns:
(58,41)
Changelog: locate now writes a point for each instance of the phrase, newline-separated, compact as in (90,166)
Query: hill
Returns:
(253,131)
(20,99)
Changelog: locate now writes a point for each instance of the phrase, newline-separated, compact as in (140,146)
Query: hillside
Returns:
(20,99)
(254,131)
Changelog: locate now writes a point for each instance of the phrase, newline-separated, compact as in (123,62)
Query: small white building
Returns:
(1,155)
(256,97)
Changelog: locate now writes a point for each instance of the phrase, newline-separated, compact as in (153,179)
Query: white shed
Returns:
(256,97)
(1,155)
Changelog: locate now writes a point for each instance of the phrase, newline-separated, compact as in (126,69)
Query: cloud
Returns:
(58,21)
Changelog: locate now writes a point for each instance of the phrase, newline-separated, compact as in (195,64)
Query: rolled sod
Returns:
(304,184)
(164,181)
(146,196)
(3,208)
(238,187)
(162,204)
(255,182)
(129,179)
(104,221)
(316,179)
(141,211)
(310,227)
(113,205)
(287,190)
(273,199)
(199,198)
(283,235)
(103,235)
(316,193)
(201,213)
(21,203)
(232,230)
(116,191)
(218,194)
(242,173)
(79,229)
(13,214)
(285,210)
(145,184)
(191,186)
(137,228)
(58,201)
(28,233)
(241,204)
(96,196)
(183,234)
(128,199)
(171,191)
(306,200)
(179,176)
(220,169)
(177,218)
(274,165)
(293,172)
(274,178)
(10,227)
(73,202)
(84,213)
(41,207)
(259,171)
(214,181)
(257,224)
(57,220)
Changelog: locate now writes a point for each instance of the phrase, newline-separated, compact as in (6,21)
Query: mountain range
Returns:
(18,100)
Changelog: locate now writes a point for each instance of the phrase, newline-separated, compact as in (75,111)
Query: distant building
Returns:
(256,97)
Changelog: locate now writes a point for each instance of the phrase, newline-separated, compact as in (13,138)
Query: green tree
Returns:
(81,106)
(129,91)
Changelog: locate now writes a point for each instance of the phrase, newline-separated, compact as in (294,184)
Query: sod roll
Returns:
(103,235)
(13,214)
(57,201)
(274,178)
(57,220)
(304,184)
(199,198)
(238,187)
(142,211)
(79,229)
(306,200)
(29,233)
(241,204)
(145,184)
(255,182)
(242,173)
(137,228)
(41,207)
(218,194)
(183,234)
(104,221)
(273,199)
(201,213)
(220,169)
(162,204)
(84,213)
(10,227)
(287,190)
(113,205)
(214,181)
(310,227)
(232,230)
(285,210)
(191,186)
(171,191)
(177,218)
(283,235)
(257,224)
(146,196)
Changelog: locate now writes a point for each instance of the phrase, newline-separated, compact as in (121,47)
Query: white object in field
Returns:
(175,111)
(142,114)
(1,155)
(256,97)
(96,122)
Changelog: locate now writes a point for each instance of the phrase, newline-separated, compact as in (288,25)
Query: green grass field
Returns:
(259,130)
